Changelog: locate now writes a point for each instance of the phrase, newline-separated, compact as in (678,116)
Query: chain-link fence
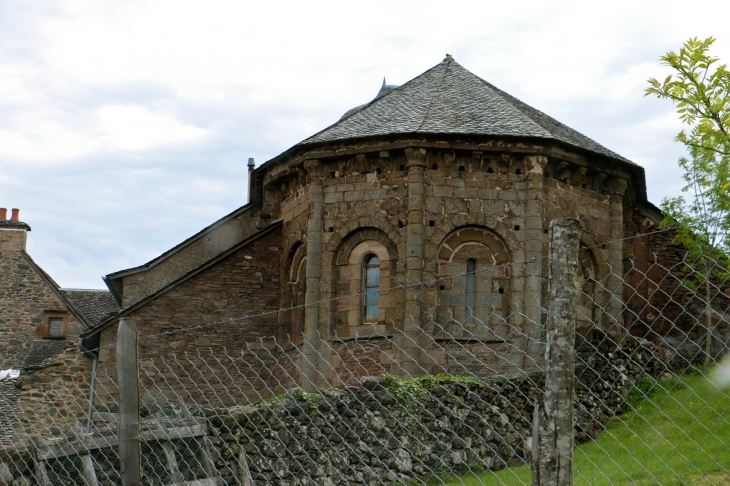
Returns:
(314,410)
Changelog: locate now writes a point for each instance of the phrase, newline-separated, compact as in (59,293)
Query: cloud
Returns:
(125,126)
(134,128)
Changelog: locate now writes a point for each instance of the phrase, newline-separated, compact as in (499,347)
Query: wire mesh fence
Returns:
(334,410)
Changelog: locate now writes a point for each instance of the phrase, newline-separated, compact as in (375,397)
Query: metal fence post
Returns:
(554,466)
(129,451)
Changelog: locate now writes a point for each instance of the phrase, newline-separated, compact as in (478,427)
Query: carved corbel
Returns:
(271,209)
(476,160)
(563,172)
(576,178)
(504,162)
(598,183)
(359,165)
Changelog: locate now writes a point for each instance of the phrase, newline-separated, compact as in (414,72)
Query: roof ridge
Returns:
(437,91)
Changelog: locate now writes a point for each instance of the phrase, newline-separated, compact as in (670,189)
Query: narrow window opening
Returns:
(443,287)
(518,171)
(331,229)
(400,224)
(501,291)
(371,288)
(432,223)
(332,175)
(402,167)
(517,227)
(377,171)
(462,168)
(435,167)
(55,327)
(490,170)
(471,290)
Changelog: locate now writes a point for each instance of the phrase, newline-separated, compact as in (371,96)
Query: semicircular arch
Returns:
(473,235)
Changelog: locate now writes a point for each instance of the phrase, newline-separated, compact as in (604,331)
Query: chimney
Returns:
(251,166)
(13,232)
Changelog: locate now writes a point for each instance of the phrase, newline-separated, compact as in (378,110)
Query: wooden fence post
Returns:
(128,432)
(556,442)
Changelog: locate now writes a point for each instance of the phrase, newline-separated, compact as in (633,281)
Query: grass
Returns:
(677,432)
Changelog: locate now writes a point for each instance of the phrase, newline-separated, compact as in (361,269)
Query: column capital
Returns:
(314,167)
(617,186)
(535,164)
(416,157)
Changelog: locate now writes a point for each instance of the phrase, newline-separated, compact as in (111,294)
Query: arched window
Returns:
(371,288)
(471,289)
(474,297)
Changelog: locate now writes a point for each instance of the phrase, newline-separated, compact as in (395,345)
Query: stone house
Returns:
(40,324)
(408,237)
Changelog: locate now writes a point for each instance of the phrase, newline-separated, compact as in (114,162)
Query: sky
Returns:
(126,126)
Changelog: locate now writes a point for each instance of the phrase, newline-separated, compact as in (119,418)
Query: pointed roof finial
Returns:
(383,80)
(448,57)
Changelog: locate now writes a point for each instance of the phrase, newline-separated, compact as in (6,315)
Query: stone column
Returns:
(412,341)
(532,325)
(616,189)
(311,359)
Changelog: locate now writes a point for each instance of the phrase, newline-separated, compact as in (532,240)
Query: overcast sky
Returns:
(125,126)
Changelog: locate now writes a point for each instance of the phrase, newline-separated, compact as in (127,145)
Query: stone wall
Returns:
(427,208)
(387,430)
(26,297)
(661,308)
(245,283)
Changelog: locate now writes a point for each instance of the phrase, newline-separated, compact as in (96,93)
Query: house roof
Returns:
(448,99)
(113,277)
(42,350)
(89,309)
(95,306)
(114,317)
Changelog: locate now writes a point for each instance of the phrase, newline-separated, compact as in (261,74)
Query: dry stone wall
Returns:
(387,430)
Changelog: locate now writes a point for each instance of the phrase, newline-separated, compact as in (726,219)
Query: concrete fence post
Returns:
(128,432)
(554,465)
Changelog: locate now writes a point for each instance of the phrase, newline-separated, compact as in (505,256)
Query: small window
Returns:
(55,327)
(471,289)
(371,290)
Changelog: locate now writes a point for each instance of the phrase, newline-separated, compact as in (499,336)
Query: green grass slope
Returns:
(677,432)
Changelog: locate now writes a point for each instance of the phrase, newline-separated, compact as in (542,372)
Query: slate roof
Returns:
(448,99)
(94,306)
(91,306)
(43,350)
(9,398)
